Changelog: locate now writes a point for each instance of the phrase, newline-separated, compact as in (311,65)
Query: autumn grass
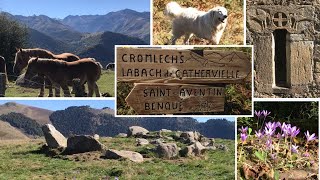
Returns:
(21,160)
(233,34)
(105,83)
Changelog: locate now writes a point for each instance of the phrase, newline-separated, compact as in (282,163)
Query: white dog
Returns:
(188,21)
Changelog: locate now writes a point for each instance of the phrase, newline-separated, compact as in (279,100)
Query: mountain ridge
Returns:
(76,120)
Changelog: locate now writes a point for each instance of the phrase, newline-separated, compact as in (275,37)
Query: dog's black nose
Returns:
(225,16)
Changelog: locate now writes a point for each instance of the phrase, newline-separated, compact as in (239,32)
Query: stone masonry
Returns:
(286,39)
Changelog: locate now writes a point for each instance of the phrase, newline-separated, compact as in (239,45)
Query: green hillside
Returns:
(23,160)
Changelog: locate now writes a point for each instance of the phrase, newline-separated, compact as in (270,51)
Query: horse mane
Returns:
(37,52)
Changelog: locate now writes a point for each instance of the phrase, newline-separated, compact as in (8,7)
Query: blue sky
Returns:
(63,104)
(63,8)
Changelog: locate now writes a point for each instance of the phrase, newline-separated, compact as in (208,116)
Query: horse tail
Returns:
(99,69)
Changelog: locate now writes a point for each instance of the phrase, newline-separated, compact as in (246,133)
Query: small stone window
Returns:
(280,57)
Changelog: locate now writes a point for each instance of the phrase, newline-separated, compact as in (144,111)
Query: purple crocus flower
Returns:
(243,137)
(259,134)
(271,125)
(269,143)
(244,129)
(278,124)
(258,113)
(294,149)
(279,136)
(306,154)
(273,156)
(310,137)
(269,131)
(265,113)
(286,128)
(283,126)
(294,131)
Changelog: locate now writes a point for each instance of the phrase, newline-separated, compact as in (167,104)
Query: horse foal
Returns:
(61,72)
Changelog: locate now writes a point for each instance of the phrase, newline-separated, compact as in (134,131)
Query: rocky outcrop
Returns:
(195,149)
(137,131)
(190,136)
(208,142)
(122,135)
(53,137)
(167,150)
(81,144)
(142,142)
(115,154)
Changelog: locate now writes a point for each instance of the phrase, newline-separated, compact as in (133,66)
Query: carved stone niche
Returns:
(284,40)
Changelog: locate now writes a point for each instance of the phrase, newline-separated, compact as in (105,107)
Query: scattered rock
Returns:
(96,137)
(137,131)
(122,135)
(222,147)
(142,142)
(53,137)
(190,136)
(81,144)
(195,149)
(167,150)
(208,142)
(157,141)
(132,156)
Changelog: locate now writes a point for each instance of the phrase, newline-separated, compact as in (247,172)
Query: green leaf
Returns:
(276,175)
(289,165)
(249,131)
(260,155)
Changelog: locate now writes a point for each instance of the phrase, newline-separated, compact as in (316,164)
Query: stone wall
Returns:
(300,22)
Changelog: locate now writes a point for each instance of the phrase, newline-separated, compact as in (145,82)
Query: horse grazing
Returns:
(24,55)
(60,72)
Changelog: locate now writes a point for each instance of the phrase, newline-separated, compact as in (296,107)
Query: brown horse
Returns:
(60,72)
(23,56)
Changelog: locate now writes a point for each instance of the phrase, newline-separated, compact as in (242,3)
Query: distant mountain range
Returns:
(87,35)
(126,22)
(89,121)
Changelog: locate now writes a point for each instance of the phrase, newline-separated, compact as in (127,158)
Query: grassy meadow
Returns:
(105,83)
(23,160)
(233,33)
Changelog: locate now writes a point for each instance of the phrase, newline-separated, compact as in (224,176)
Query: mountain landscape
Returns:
(86,120)
(87,35)
(79,138)
(41,116)
(127,21)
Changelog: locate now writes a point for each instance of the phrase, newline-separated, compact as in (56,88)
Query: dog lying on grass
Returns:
(190,21)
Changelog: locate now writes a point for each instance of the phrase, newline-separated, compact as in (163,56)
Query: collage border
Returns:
(180,46)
